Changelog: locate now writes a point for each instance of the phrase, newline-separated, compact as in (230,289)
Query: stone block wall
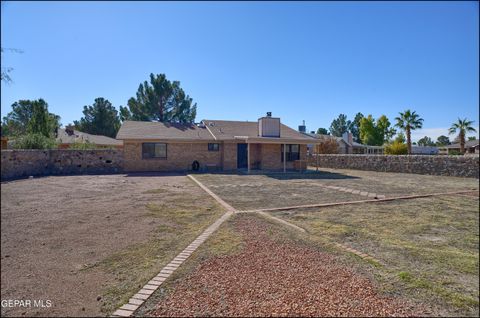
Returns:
(457,166)
(24,163)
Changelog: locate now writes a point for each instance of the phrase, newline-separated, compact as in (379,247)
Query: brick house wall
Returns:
(180,157)
(229,156)
(271,155)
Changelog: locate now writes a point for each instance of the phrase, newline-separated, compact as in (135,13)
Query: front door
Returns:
(242,156)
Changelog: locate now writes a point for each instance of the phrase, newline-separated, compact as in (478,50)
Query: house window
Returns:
(154,150)
(213,147)
(293,152)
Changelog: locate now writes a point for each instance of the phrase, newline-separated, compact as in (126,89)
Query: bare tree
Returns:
(5,77)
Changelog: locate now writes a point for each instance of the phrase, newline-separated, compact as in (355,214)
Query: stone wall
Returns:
(24,163)
(457,166)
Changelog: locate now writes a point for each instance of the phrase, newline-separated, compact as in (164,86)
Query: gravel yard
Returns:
(272,275)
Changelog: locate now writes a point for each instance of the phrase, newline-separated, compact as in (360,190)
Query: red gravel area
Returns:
(276,278)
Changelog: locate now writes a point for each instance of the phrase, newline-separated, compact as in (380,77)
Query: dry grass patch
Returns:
(429,245)
(395,184)
(183,216)
(246,192)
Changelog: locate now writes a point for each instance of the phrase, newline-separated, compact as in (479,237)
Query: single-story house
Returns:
(346,145)
(68,136)
(424,150)
(213,145)
(343,146)
(471,147)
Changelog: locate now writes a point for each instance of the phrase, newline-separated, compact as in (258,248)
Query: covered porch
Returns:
(271,154)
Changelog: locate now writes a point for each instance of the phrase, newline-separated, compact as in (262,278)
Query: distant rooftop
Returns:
(77,136)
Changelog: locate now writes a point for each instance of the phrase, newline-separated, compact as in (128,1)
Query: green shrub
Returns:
(34,141)
(455,153)
(396,148)
(83,145)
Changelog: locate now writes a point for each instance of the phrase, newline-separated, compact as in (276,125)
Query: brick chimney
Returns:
(348,137)
(269,126)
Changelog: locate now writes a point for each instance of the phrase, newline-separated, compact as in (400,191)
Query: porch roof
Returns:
(273,140)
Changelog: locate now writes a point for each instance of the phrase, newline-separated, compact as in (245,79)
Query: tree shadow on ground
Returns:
(155,174)
(289,175)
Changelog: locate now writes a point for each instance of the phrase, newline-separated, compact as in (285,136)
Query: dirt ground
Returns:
(86,243)
(270,274)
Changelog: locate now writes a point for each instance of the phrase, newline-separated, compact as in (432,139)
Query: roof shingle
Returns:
(158,130)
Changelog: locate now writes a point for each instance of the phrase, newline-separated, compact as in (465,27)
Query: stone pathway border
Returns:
(338,245)
(282,221)
(213,195)
(143,294)
(353,191)
(468,196)
(358,253)
(320,205)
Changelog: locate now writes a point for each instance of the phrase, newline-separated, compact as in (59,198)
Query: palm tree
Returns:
(463,126)
(409,121)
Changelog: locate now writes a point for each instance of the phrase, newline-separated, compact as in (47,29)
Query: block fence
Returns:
(456,166)
(24,163)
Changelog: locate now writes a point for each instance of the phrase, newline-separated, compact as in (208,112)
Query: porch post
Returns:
(248,157)
(284,158)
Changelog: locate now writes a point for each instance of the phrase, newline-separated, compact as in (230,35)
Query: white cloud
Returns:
(434,133)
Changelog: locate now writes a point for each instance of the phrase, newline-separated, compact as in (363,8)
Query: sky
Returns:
(299,60)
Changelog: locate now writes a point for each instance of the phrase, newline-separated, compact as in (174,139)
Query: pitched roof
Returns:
(164,131)
(211,130)
(468,144)
(323,137)
(228,130)
(78,136)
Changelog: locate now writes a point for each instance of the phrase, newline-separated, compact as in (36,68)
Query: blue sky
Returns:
(302,61)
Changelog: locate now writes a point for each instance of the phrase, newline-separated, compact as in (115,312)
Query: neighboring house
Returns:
(213,144)
(424,150)
(343,146)
(68,136)
(471,147)
(346,145)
